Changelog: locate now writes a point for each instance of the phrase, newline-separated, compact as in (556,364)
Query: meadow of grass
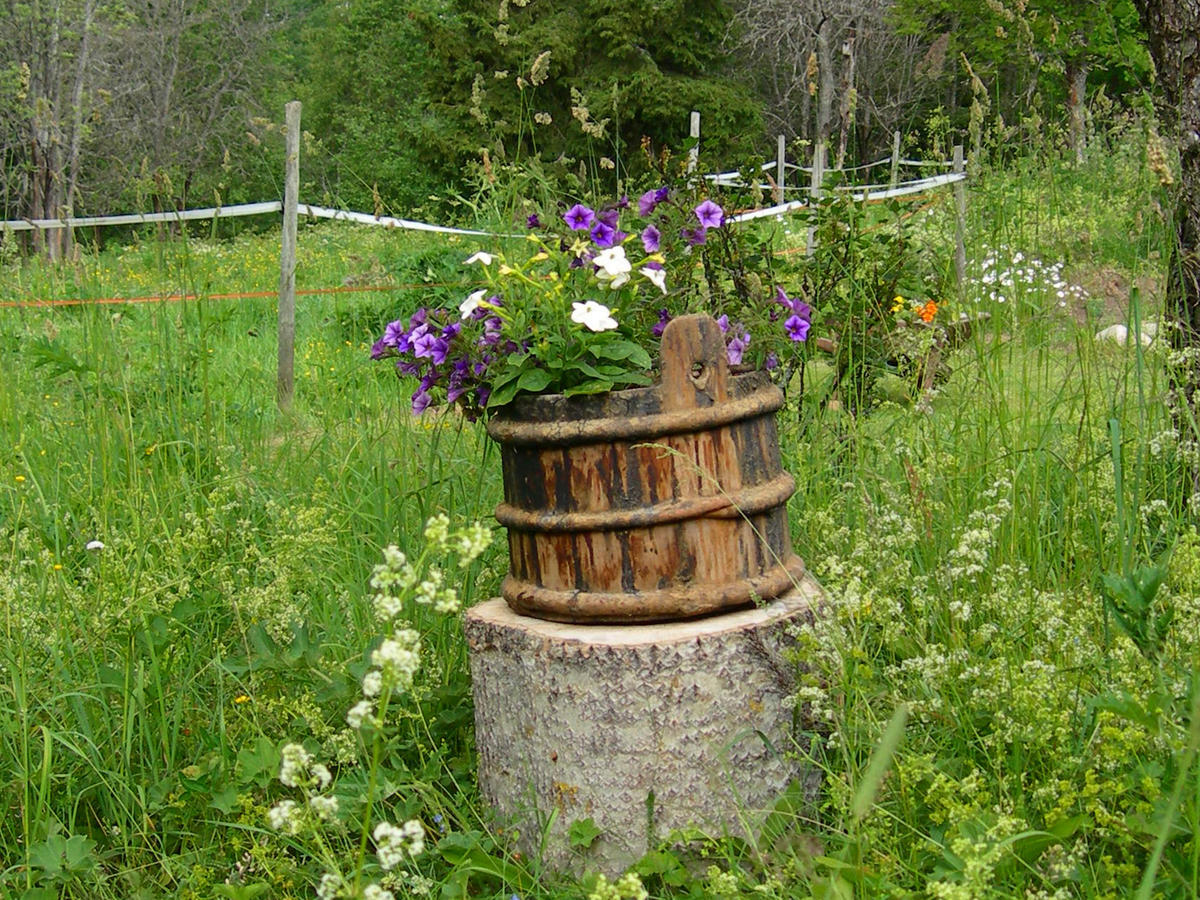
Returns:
(996,633)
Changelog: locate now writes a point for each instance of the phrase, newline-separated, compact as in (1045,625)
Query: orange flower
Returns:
(928,311)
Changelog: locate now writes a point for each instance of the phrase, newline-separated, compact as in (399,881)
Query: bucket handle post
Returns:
(695,369)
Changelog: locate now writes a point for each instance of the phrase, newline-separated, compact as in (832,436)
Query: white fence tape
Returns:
(180,215)
(857,193)
(321,212)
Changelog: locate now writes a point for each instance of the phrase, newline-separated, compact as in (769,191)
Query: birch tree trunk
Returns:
(1077,74)
(1172,27)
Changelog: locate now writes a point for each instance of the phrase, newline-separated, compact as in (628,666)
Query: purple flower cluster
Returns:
(602,225)
(460,353)
(431,346)
(797,324)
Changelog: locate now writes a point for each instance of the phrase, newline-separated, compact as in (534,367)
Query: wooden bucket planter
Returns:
(651,504)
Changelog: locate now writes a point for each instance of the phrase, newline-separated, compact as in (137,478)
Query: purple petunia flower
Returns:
(709,214)
(623,203)
(647,202)
(420,401)
(796,327)
(381,349)
(794,304)
(737,347)
(694,236)
(651,237)
(603,234)
(663,318)
(532,221)
(579,217)
(723,324)
(771,362)
(431,346)
(609,217)
(394,335)
(407,367)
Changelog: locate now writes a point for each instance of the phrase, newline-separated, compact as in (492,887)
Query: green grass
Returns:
(146,688)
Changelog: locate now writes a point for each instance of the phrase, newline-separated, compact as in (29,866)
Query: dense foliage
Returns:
(416,104)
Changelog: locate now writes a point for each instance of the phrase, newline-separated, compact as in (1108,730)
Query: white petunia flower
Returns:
(657,277)
(94,545)
(480,257)
(612,263)
(471,304)
(592,315)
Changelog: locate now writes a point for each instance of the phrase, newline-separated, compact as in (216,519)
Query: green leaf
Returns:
(583,833)
(241,891)
(534,381)
(48,855)
(78,852)
(881,759)
(594,386)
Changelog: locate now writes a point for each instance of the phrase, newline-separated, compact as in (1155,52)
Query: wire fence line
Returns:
(857,192)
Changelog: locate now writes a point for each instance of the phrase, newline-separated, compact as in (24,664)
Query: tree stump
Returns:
(644,729)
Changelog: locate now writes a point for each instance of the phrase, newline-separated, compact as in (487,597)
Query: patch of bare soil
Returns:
(1109,288)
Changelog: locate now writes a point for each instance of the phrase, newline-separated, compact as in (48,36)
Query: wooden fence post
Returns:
(960,206)
(780,171)
(814,192)
(895,179)
(285,382)
(694,133)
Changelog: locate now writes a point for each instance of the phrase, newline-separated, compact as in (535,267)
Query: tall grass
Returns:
(146,686)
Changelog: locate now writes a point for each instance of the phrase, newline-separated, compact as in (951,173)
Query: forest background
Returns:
(408,104)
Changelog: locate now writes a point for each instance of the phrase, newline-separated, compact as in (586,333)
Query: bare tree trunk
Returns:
(1077,73)
(824,81)
(847,104)
(81,72)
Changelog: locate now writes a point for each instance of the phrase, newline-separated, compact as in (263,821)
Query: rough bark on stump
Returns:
(645,729)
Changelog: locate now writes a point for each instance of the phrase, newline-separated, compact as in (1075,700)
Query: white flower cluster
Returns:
(628,887)
(396,577)
(470,542)
(437,532)
(394,842)
(433,591)
(390,580)
(297,769)
(971,556)
(1005,281)
(325,807)
(398,659)
(286,816)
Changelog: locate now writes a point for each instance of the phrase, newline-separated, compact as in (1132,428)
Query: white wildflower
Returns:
(393,842)
(372,683)
(329,886)
(325,807)
(360,714)
(293,769)
(285,816)
(437,529)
